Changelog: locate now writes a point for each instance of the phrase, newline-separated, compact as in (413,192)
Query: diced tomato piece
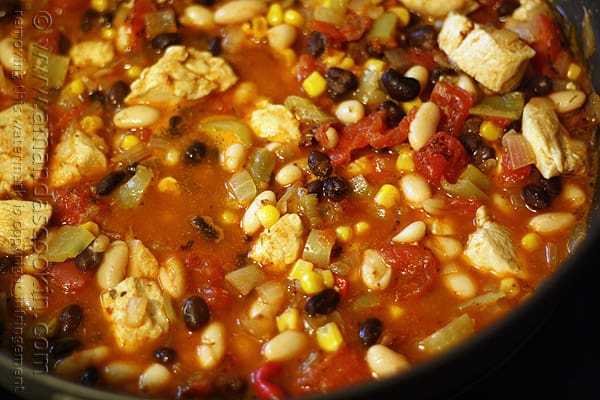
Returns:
(261,378)
(547,44)
(68,277)
(60,7)
(465,206)
(217,299)
(354,28)
(454,104)
(334,370)
(342,285)
(306,66)
(74,205)
(509,177)
(204,269)
(58,120)
(443,155)
(415,269)
(422,57)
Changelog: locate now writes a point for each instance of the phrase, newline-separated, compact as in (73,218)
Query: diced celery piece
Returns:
(509,106)
(67,242)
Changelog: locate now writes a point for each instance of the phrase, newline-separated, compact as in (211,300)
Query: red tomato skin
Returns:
(547,44)
(510,178)
(442,156)
(68,277)
(454,104)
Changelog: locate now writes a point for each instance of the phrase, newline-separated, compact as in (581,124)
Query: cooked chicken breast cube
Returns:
(92,53)
(181,74)
(555,152)
(20,223)
(279,245)
(496,58)
(276,123)
(438,8)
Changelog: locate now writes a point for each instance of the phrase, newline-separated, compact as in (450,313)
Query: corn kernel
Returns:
(343,233)
(77,87)
(329,337)
(300,268)
(91,227)
(289,320)
(396,311)
(375,64)
(129,141)
(134,72)
(91,123)
(268,215)
(314,85)
(387,196)
(361,227)
(312,282)
(259,27)
(408,105)
(168,184)
(294,18)
(108,33)
(228,217)
(247,28)
(404,162)
(347,63)
(334,58)
(275,14)
(490,131)
(403,15)
(289,57)
(510,286)
(172,157)
(100,5)
(574,71)
(531,241)
(328,278)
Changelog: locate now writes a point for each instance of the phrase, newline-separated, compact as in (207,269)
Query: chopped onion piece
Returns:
(130,194)
(483,300)
(348,261)
(225,132)
(317,249)
(447,336)
(245,279)
(242,186)
(271,292)
(519,150)
(67,242)
(132,155)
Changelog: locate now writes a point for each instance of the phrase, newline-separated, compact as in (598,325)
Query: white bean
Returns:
(574,195)
(465,82)
(77,362)
(416,189)
(435,206)
(424,126)
(35,263)
(238,11)
(171,277)
(412,232)
(552,222)
(350,111)
(199,17)
(250,222)
(461,284)
(442,226)
(100,244)
(10,59)
(285,346)
(137,116)
(567,100)
(375,273)
(384,362)
(419,73)
(282,36)
(29,294)
(113,268)
(117,372)
(154,378)
(288,174)
(445,248)
(212,347)
(234,157)
(331,138)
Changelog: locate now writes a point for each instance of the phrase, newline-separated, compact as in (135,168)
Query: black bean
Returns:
(64,44)
(374,50)
(8,263)
(207,228)
(163,40)
(398,86)
(195,152)
(335,188)
(315,187)
(88,20)
(471,126)
(315,45)
(9,8)
(214,46)
(64,347)
(515,125)
(340,82)
(131,170)
(370,331)
(552,186)
(90,376)
(98,96)
(110,182)
(195,312)
(471,142)
(482,154)
(165,355)
(175,121)
(322,303)
(393,113)
(535,197)
(423,37)
(319,164)
(89,259)
(438,72)
(117,93)
(69,319)
(205,2)
(540,85)
(105,19)
(506,7)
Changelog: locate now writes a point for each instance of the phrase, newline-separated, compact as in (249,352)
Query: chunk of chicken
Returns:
(279,245)
(181,74)
(92,53)
(275,123)
(555,152)
(490,247)
(20,223)
(77,155)
(142,263)
(23,144)
(136,309)
(496,58)
(438,8)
